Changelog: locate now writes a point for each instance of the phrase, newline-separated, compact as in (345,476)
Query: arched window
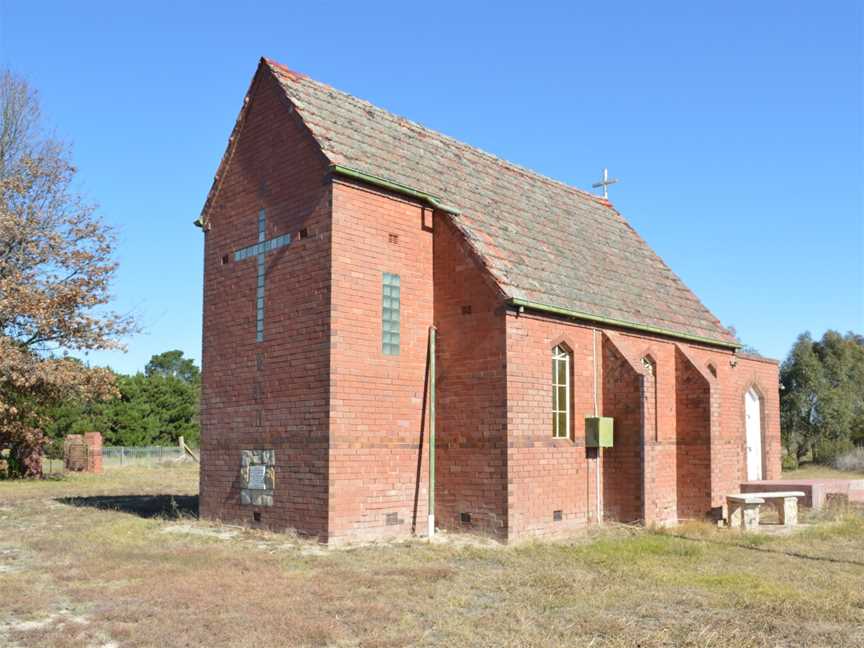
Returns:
(560,392)
(652,425)
(648,363)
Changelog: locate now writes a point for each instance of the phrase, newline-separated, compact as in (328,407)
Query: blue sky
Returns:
(736,128)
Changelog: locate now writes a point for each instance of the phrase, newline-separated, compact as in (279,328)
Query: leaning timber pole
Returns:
(431,507)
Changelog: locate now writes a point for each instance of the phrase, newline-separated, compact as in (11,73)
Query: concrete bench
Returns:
(744,507)
(817,492)
(786,503)
(744,510)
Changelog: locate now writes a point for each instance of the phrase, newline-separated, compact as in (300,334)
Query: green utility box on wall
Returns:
(598,432)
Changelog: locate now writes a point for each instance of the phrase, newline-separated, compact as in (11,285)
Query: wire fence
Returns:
(117,456)
(123,456)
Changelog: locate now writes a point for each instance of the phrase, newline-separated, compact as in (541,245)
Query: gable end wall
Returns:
(275,165)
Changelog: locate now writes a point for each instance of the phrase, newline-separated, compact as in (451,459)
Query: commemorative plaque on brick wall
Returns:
(257,477)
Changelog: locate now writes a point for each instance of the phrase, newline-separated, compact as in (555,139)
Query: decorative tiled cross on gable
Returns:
(258,250)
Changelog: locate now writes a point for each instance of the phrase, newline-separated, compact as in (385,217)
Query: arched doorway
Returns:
(753,431)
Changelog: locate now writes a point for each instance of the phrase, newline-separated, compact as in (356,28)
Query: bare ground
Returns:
(120,560)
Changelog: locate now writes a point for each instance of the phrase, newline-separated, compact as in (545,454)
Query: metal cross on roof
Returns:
(258,250)
(605,182)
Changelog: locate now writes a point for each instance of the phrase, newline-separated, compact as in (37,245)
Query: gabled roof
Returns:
(546,244)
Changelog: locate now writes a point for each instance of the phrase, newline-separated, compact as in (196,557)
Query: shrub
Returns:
(55,449)
(790,461)
(851,461)
(828,450)
(25,458)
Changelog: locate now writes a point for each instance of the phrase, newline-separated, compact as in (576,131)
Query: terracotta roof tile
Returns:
(542,240)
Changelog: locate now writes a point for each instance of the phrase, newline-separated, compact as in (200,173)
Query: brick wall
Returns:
(728,438)
(659,402)
(725,403)
(693,439)
(377,420)
(272,394)
(471,390)
(83,452)
(545,474)
(763,375)
(622,463)
(94,451)
(692,424)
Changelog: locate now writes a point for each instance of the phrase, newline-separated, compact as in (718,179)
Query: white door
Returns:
(753,413)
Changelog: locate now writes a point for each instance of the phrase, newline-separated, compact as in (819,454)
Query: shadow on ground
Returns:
(750,547)
(145,506)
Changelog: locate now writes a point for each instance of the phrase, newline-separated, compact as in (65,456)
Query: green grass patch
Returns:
(849,525)
(643,548)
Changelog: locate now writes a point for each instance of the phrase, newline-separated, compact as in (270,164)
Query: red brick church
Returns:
(576,378)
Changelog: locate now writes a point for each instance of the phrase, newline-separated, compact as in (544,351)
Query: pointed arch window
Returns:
(561,359)
(648,364)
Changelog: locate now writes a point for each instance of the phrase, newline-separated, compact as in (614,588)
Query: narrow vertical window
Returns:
(390,315)
(259,288)
(259,301)
(560,392)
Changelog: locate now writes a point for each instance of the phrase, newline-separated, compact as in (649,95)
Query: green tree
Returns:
(173,364)
(153,408)
(842,401)
(822,404)
(174,405)
(802,378)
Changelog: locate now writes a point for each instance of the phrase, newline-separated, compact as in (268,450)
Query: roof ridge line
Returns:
(491,156)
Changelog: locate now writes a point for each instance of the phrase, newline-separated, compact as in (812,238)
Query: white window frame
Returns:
(560,354)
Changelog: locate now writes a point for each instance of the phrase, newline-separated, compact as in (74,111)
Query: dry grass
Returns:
(820,471)
(72,574)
